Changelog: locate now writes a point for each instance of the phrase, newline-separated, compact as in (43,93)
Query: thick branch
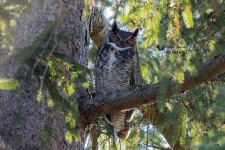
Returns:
(91,108)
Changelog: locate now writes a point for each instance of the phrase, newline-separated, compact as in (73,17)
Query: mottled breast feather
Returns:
(114,69)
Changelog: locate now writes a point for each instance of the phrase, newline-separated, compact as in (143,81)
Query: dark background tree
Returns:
(44,77)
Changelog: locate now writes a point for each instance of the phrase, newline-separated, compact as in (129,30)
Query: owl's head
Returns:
(122,39)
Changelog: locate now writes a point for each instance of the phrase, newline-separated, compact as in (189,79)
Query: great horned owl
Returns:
(118,67)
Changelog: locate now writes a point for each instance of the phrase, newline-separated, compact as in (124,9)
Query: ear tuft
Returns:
(114,27)
(135,33)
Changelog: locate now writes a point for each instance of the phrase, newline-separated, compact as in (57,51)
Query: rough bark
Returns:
(23,119)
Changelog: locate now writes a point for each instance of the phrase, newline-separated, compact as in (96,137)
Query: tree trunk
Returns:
(26,123)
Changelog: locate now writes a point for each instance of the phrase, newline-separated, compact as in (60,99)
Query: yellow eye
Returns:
(113,37)
(131,41)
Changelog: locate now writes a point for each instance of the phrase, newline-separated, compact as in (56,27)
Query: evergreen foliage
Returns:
(176,36)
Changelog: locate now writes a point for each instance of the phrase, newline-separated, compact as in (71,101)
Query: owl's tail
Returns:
(121,121)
